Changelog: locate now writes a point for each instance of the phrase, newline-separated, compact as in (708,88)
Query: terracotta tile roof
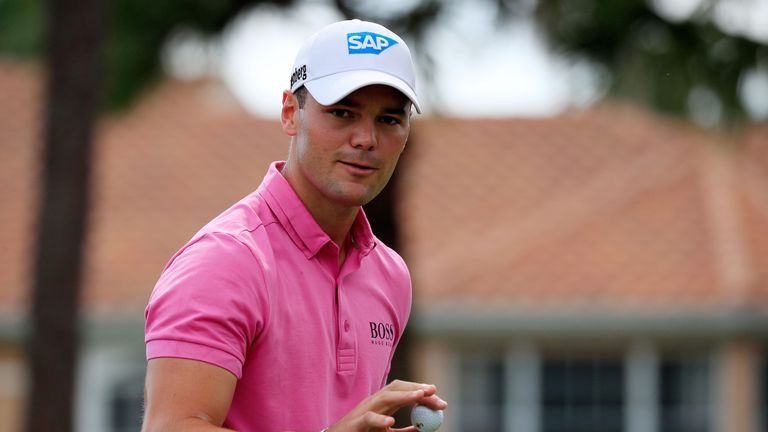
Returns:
(614,206)
(754,175)
(162,170)
(165,169)
(20,92)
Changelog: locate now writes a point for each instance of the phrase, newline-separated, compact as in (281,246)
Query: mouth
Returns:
(359,168)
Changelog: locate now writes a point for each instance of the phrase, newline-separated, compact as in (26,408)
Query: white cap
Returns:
(349,55)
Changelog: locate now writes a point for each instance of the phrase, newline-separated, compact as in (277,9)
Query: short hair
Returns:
(301,96)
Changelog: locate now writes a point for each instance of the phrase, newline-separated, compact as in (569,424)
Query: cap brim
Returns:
(332,88)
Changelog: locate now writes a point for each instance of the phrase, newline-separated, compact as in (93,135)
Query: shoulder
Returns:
(389,258)
(238,232)
(248,215)
(391,266)
(216,248)
(212,259)
(233,245)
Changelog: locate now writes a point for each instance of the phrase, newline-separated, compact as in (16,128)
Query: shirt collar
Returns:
(298,221)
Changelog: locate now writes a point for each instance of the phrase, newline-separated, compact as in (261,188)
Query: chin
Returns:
(356,201)
(354,196)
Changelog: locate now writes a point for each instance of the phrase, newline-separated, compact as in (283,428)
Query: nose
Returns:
(364,135)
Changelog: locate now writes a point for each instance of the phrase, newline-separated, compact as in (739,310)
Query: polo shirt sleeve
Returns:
(210,304)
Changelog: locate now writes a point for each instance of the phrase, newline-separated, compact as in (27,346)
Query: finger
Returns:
(407,385)
(397,385)
(429,389)
(407,429)
(433,402)
(375,420)
(390,401)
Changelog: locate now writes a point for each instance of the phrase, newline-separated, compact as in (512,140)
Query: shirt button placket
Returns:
(347,353)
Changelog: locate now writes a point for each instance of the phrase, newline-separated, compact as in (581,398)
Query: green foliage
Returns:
(20,28)
(650,60)
(135,33)
(654,61)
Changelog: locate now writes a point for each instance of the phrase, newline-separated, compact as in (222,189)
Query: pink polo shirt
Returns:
(258,292)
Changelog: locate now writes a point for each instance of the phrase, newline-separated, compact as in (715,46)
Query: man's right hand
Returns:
(374,414)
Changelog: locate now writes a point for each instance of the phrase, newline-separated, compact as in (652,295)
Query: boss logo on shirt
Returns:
(382,333)
(368,43)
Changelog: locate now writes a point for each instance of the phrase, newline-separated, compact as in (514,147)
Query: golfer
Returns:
(283,313)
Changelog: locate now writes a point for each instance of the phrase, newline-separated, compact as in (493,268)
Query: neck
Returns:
(334,219)
(336,223)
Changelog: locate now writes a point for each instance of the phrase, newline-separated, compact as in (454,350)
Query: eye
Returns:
(390,120)
(340,113)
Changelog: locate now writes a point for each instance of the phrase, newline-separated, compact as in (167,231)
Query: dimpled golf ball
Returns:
(426,419)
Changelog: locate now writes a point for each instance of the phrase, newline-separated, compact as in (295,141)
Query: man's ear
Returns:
(289,113)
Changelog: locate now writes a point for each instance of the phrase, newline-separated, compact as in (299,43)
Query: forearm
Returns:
(192,424)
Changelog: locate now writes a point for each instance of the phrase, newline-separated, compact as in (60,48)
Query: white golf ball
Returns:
(426,419)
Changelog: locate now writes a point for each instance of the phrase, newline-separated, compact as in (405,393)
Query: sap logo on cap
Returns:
(368,43)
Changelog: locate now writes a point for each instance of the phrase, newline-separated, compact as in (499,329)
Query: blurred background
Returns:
(583,205)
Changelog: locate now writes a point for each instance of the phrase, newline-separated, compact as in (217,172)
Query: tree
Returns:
(691,64)
(74,34)
(688,65)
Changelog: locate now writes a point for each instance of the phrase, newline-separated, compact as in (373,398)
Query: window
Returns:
(685,394)
(126,405)
(588,391)
(582,394)
(763,401)
(482,392)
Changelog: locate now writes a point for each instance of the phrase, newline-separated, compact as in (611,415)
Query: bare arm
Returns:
(186,395)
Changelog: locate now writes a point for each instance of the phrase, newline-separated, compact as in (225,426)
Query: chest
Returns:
(339,329)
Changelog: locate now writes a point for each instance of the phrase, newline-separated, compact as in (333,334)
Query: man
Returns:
(283,313)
